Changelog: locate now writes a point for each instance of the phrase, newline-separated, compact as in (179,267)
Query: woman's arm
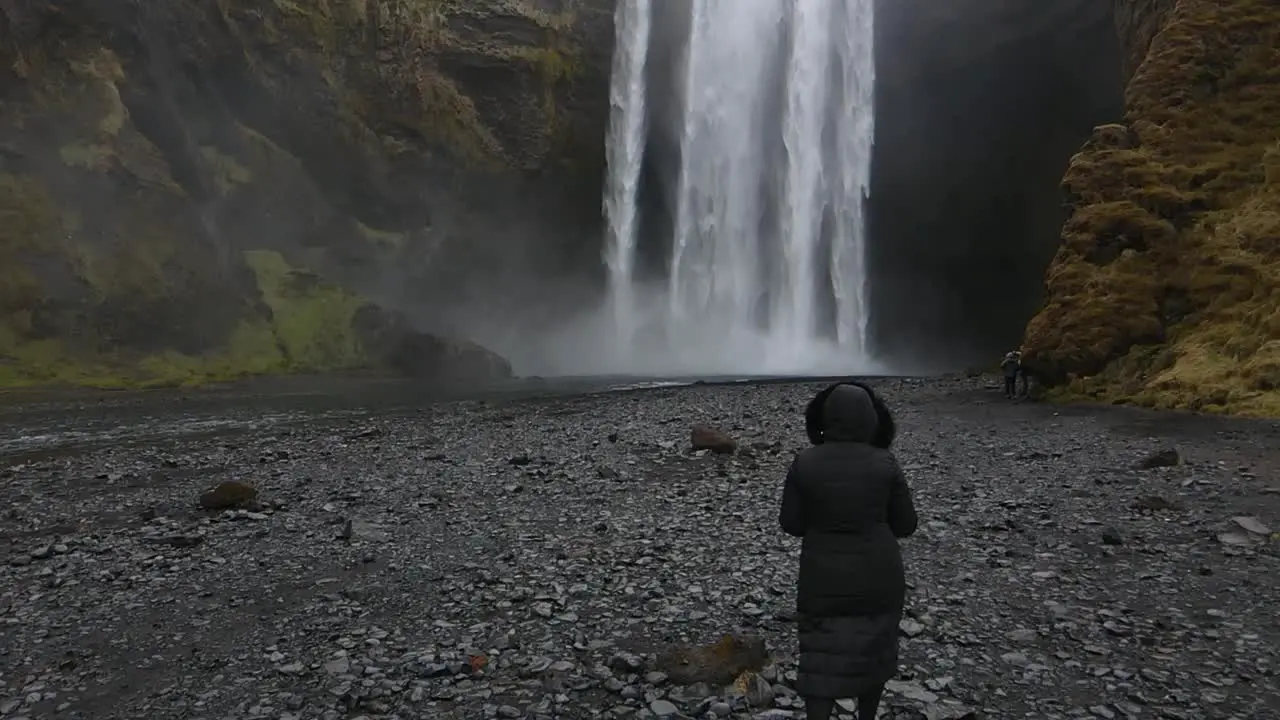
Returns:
(792,515)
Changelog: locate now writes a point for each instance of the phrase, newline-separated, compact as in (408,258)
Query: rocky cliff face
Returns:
(1137,22)
(196,190)
(1166,288)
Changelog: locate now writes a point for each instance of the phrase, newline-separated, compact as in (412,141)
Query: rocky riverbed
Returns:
(540,558)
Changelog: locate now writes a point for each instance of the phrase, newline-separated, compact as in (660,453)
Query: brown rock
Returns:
(228,495)
(704,437)
(718,665)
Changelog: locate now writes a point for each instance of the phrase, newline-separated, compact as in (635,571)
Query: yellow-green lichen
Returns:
(103,73)
(86,156)
(551,20)
(552,64)
(1166,290)
(34,363)
(453,121)
(309,330)
(311,316)
(29,222)
(252,349)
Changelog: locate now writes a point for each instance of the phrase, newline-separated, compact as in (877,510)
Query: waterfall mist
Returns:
(751,122)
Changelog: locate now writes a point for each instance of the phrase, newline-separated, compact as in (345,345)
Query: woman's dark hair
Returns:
(886,429)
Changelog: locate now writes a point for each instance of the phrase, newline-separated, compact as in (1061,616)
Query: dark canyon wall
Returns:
(980,104)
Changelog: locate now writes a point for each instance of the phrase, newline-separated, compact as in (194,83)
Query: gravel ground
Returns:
(530,558)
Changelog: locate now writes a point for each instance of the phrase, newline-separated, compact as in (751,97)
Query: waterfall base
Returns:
(658,345)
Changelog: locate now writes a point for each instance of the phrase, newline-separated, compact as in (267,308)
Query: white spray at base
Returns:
(766,269)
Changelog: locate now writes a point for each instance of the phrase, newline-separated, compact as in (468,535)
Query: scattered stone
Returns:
(1252,525)
(1168,457)
(474,588)
(1016,659)
(1155,503)
(664,708)
(626,663)
(354,529)
(1021,636)
(910,691)
(1235,538)
(176,541)
(949,710)
(1111,536)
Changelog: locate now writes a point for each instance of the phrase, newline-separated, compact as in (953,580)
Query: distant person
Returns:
(1024,373)
(847,498)
(1011,366)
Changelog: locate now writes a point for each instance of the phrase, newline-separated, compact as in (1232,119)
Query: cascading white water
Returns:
(766,269)
(715,261)
(623,153)
(856,123)
(804,194)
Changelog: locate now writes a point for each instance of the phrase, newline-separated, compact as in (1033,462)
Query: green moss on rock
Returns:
(28,223)
(1166,289)
(311,316)
(308,328)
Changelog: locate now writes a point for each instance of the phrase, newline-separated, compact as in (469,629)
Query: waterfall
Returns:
(804,194)
(624,153)
(715,260)
(765,267)
(856,130)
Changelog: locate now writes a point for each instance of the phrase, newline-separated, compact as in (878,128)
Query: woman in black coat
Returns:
(846,496)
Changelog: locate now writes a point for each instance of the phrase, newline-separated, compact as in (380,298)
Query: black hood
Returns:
(849,415)
(815,412)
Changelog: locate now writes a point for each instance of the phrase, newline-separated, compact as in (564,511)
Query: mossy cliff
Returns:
(1165,291)
(201,190)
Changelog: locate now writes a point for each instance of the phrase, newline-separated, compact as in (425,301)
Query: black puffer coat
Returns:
(847,498)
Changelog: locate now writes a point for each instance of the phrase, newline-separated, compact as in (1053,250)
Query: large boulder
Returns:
(390,340)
